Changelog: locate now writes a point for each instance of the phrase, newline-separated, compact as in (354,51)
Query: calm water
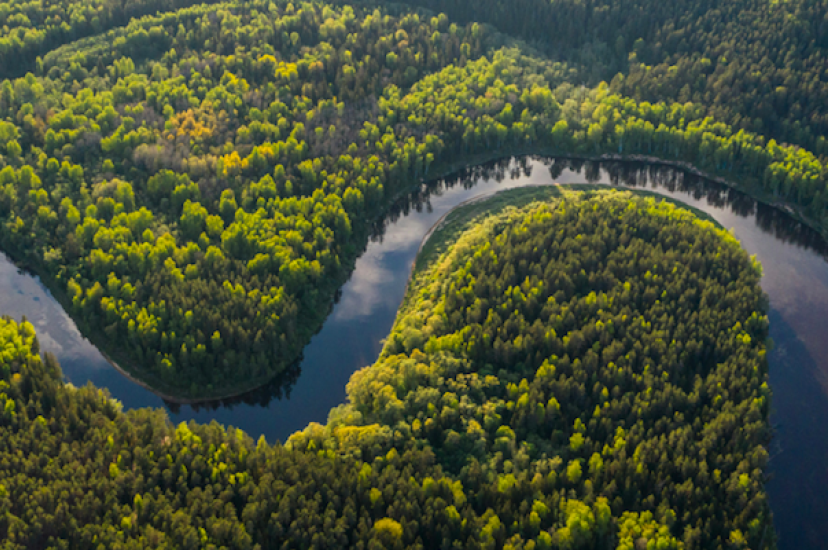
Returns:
(795,278)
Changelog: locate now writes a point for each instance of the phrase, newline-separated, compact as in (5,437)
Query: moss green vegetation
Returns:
(197,184)
(583,371)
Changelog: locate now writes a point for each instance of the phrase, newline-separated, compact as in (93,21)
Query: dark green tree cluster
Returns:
(76,472)
(197,184)
(756,65)
(33,28)
(586,372)
(759,66)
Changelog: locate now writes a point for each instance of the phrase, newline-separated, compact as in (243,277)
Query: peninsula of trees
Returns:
(197,184)
(569,369)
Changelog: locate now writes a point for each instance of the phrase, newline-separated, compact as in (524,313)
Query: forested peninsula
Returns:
(196,185)
(570,369)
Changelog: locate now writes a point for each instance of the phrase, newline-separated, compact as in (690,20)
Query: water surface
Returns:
(795,278)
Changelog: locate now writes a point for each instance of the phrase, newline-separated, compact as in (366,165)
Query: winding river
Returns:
(795,278)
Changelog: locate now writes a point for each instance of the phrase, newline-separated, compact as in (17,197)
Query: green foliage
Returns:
(589,355)
(640,530)
(756,65)
(444,448)
(238,216)
(218,168)
(389,531)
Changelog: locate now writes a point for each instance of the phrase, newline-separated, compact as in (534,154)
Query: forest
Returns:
(614,396)
(195,185)
(571,368)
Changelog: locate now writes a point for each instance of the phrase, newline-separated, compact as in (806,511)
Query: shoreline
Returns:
(438,225)
(138,377)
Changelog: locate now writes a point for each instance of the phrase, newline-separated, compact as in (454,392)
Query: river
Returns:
(795,278)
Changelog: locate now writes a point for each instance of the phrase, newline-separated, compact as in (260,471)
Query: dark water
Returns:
(795,278)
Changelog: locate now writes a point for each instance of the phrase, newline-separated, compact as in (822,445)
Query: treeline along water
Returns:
(795,278)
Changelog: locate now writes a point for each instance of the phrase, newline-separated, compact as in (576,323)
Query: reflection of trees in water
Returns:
(420,199)
(769,219)
(277,388)
(782,226)
(627,173)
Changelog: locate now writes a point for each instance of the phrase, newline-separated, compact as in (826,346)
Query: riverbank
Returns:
(751,191)
(122,362)
(458,220)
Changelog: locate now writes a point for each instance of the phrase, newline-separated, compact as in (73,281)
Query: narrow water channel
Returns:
(795,278)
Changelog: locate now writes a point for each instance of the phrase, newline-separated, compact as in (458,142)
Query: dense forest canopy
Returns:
(197,184)
(570,369)
(756,64)
(614,396)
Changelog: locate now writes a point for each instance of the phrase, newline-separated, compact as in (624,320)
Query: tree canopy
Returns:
(581,370)
(197,184)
